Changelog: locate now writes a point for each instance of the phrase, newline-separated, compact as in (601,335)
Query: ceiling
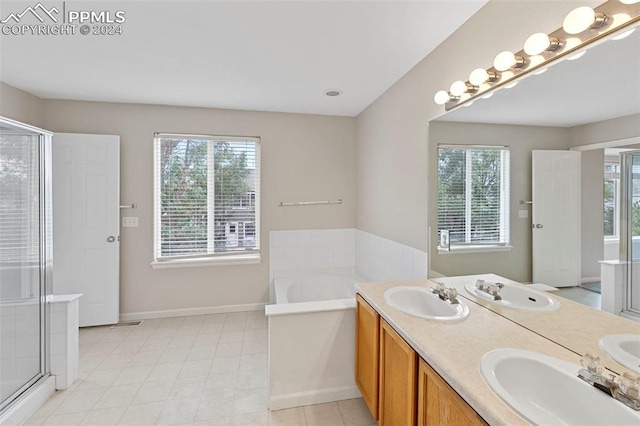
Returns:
(603,84)
(251,55)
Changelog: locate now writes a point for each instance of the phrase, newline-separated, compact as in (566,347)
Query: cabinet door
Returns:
(398,374)
(439,404)
(367,335)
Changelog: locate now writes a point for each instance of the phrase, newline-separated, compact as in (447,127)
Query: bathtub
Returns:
(311,339)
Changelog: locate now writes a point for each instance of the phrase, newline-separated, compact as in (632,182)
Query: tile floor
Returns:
(198,370)
(581,295)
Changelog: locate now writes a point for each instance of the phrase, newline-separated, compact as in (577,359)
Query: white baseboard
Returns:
(589,279)
(29,403)
(299,399)
(134,316)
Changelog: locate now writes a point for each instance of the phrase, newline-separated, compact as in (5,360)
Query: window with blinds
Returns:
(473,195)
(19,201)
(207,196)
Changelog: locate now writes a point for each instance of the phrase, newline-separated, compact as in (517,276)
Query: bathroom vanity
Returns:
(414,371)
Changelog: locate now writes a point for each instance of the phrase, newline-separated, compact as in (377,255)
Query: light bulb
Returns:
(624,34)
(442,97)
(582,19)
(576,56)
(539,42)
(629,1)
(458,88)
(478,76)
(504,61)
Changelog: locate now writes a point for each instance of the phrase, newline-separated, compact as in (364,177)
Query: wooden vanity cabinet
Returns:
(398,374)
(367,349)
(398,386)
(439,404)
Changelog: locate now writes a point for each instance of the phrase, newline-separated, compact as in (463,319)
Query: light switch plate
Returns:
(523,214)
(130,222)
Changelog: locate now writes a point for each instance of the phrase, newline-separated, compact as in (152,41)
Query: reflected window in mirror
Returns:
(611,199)
(473,197)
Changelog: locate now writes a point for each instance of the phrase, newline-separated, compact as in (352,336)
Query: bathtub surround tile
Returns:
(215,384)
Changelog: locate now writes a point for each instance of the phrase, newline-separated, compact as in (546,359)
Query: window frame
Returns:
(614,176)
(505,214)
(209,258)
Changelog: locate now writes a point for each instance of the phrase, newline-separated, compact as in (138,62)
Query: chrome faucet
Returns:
(624,388)
(492,290)
(447,294)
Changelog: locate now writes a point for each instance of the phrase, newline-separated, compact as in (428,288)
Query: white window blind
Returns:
(207,196)
(473,194)
(19,200)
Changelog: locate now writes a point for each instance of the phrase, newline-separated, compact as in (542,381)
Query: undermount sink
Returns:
(421,302)
(546,390)
(624,348)
(516,297)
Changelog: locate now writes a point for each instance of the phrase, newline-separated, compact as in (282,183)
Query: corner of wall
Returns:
(21,106)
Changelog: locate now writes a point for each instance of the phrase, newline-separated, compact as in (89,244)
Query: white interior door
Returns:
(556,218)
(86,216)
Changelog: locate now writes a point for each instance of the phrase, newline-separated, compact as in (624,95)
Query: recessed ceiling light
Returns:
(333,92)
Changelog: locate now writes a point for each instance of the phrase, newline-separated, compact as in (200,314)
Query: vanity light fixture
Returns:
(583,26)
(442,97)
(507,60)
(576,56)
(540,42)
(458,88)
(624,34)
(583,18)
(480,75)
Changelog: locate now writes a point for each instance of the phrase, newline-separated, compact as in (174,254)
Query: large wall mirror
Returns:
(589,105)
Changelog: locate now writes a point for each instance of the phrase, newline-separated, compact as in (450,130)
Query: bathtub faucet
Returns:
(447,294)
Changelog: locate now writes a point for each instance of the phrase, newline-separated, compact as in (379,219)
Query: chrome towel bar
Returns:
(309,203)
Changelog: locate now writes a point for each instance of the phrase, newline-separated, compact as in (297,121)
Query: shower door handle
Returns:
(537,225)
(111,239)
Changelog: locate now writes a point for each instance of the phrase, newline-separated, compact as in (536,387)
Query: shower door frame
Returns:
(626,230)
(45,251)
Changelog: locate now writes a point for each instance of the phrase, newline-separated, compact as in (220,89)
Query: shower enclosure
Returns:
(25,257)
(630,228)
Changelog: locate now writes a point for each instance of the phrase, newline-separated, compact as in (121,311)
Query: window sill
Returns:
(475,249)
(247,259)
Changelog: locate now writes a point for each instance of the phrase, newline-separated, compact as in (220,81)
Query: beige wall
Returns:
(616,129)
(20,105)
(304,157)
(516,263)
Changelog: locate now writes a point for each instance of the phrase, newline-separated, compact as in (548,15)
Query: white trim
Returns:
(475,249)
(27,404)
(243,259)
(169,313)
(299,399)
(585,280)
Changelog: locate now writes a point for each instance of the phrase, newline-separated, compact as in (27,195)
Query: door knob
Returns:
(539,225)
(111,239)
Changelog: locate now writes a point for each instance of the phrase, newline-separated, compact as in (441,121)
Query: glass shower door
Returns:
(630,231)
(22,261)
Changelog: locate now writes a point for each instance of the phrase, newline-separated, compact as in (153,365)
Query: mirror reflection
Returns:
(540,183)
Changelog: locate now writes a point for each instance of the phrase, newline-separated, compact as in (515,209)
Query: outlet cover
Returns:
(130,222)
